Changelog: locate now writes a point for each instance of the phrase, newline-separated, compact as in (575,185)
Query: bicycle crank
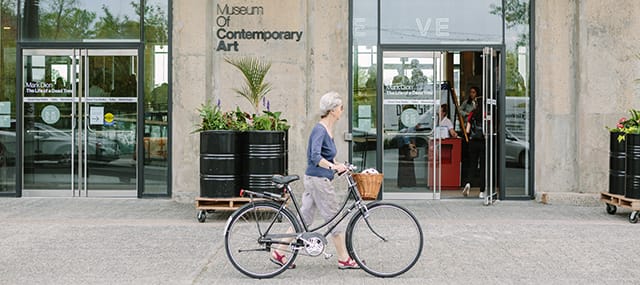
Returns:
(314,243)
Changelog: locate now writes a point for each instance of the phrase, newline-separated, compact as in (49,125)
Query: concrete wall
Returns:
(301,72)
(586,66)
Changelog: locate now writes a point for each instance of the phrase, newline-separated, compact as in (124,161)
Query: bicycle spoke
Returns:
(246,246)
(386,243)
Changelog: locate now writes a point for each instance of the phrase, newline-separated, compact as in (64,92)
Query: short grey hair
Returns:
(328,102)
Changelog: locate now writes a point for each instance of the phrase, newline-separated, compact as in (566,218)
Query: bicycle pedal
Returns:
(327,255)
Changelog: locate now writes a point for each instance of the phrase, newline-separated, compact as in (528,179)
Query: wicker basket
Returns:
(368,185)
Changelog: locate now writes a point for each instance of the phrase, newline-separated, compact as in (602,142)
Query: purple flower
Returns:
(268,106)
(218,103)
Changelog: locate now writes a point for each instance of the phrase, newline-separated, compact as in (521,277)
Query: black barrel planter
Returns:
(265,154)
(617,164)
(220,168)
(632,189)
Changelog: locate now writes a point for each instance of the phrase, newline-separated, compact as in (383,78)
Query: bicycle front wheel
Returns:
(386,241)
(253,232)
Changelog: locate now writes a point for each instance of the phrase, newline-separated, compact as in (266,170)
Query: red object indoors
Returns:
(449,163)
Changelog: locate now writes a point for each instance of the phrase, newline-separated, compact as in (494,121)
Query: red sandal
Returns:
(279,259)
(349,264)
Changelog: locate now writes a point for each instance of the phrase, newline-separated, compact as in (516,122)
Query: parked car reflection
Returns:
(516,150)
(419,134)
(46,144)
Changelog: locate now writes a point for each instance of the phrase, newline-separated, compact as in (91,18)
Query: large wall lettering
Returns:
(229,37)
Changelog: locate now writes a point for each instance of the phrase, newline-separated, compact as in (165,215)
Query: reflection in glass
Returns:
(76,20)
(8,147)
(440,22)
(156,99)
(364,97)
(409,100)
(517,100)
(88,138)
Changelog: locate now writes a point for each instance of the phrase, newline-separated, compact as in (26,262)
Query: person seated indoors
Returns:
(446,122)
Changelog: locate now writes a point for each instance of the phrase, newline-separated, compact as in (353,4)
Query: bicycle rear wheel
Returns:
(251,223)
(385,243)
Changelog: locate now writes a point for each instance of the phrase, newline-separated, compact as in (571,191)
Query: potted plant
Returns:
(266,141)
(220,138)
(624,158)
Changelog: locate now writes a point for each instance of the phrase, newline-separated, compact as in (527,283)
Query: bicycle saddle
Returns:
(279,179)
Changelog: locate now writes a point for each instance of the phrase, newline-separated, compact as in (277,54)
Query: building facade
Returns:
(101,98)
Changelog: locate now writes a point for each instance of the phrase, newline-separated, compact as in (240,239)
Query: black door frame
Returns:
(21,46)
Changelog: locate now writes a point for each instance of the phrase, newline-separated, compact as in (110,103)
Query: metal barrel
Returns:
(632,189)
(265,154)
(617,165)
(220,168)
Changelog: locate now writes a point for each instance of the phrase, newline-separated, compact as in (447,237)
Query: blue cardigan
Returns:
(320,146)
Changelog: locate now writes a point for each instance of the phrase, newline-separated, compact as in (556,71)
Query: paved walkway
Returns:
(132,241)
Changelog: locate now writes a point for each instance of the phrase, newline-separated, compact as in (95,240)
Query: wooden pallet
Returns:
(221,203)
(620,201)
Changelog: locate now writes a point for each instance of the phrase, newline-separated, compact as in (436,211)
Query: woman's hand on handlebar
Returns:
(340,168)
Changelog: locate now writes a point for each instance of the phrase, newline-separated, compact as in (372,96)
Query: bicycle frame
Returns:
(338,218)
(357,203)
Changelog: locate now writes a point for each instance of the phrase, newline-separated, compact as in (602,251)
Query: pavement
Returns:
(159,241)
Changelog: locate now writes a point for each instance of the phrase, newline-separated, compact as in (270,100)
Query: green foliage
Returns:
(515,83)
(237,120)
(627,126)
(254,90)
(269,121)
(212,118)
(254,71)
(516,13)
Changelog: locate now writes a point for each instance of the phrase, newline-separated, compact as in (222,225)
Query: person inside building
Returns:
(401,79)
(319,193)
(407,148)
(445,122)
(475,162)
(468,105)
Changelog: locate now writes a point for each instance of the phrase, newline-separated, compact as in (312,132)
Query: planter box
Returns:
(264,154)
(632,188)
(233,160)
(220,168)
(617,165)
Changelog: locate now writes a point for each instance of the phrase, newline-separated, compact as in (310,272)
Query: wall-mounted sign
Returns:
(108,119)
(5,107)
(96,115)
(229,36)
(5,121)
(50,114)
(44,87)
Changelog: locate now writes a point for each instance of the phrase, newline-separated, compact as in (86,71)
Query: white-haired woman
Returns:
(319,194)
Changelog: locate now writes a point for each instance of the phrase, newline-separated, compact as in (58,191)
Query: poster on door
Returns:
(96,115)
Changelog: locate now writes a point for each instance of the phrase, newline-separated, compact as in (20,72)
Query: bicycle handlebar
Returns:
(277,197)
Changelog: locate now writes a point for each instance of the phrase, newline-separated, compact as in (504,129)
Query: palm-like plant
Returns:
(254,71)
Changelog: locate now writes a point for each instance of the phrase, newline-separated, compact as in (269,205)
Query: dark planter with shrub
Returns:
(220,168)
(617,164)
(632,189)
(264,154)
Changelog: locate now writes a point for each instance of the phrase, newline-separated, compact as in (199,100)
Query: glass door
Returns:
(411,99)
(79,122)
(490,84)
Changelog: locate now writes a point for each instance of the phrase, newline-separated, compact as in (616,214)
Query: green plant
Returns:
(269,121)
(212,118)
(627,126)
(254,71)
(237,120)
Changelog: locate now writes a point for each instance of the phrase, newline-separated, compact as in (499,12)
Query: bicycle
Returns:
(384,239)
